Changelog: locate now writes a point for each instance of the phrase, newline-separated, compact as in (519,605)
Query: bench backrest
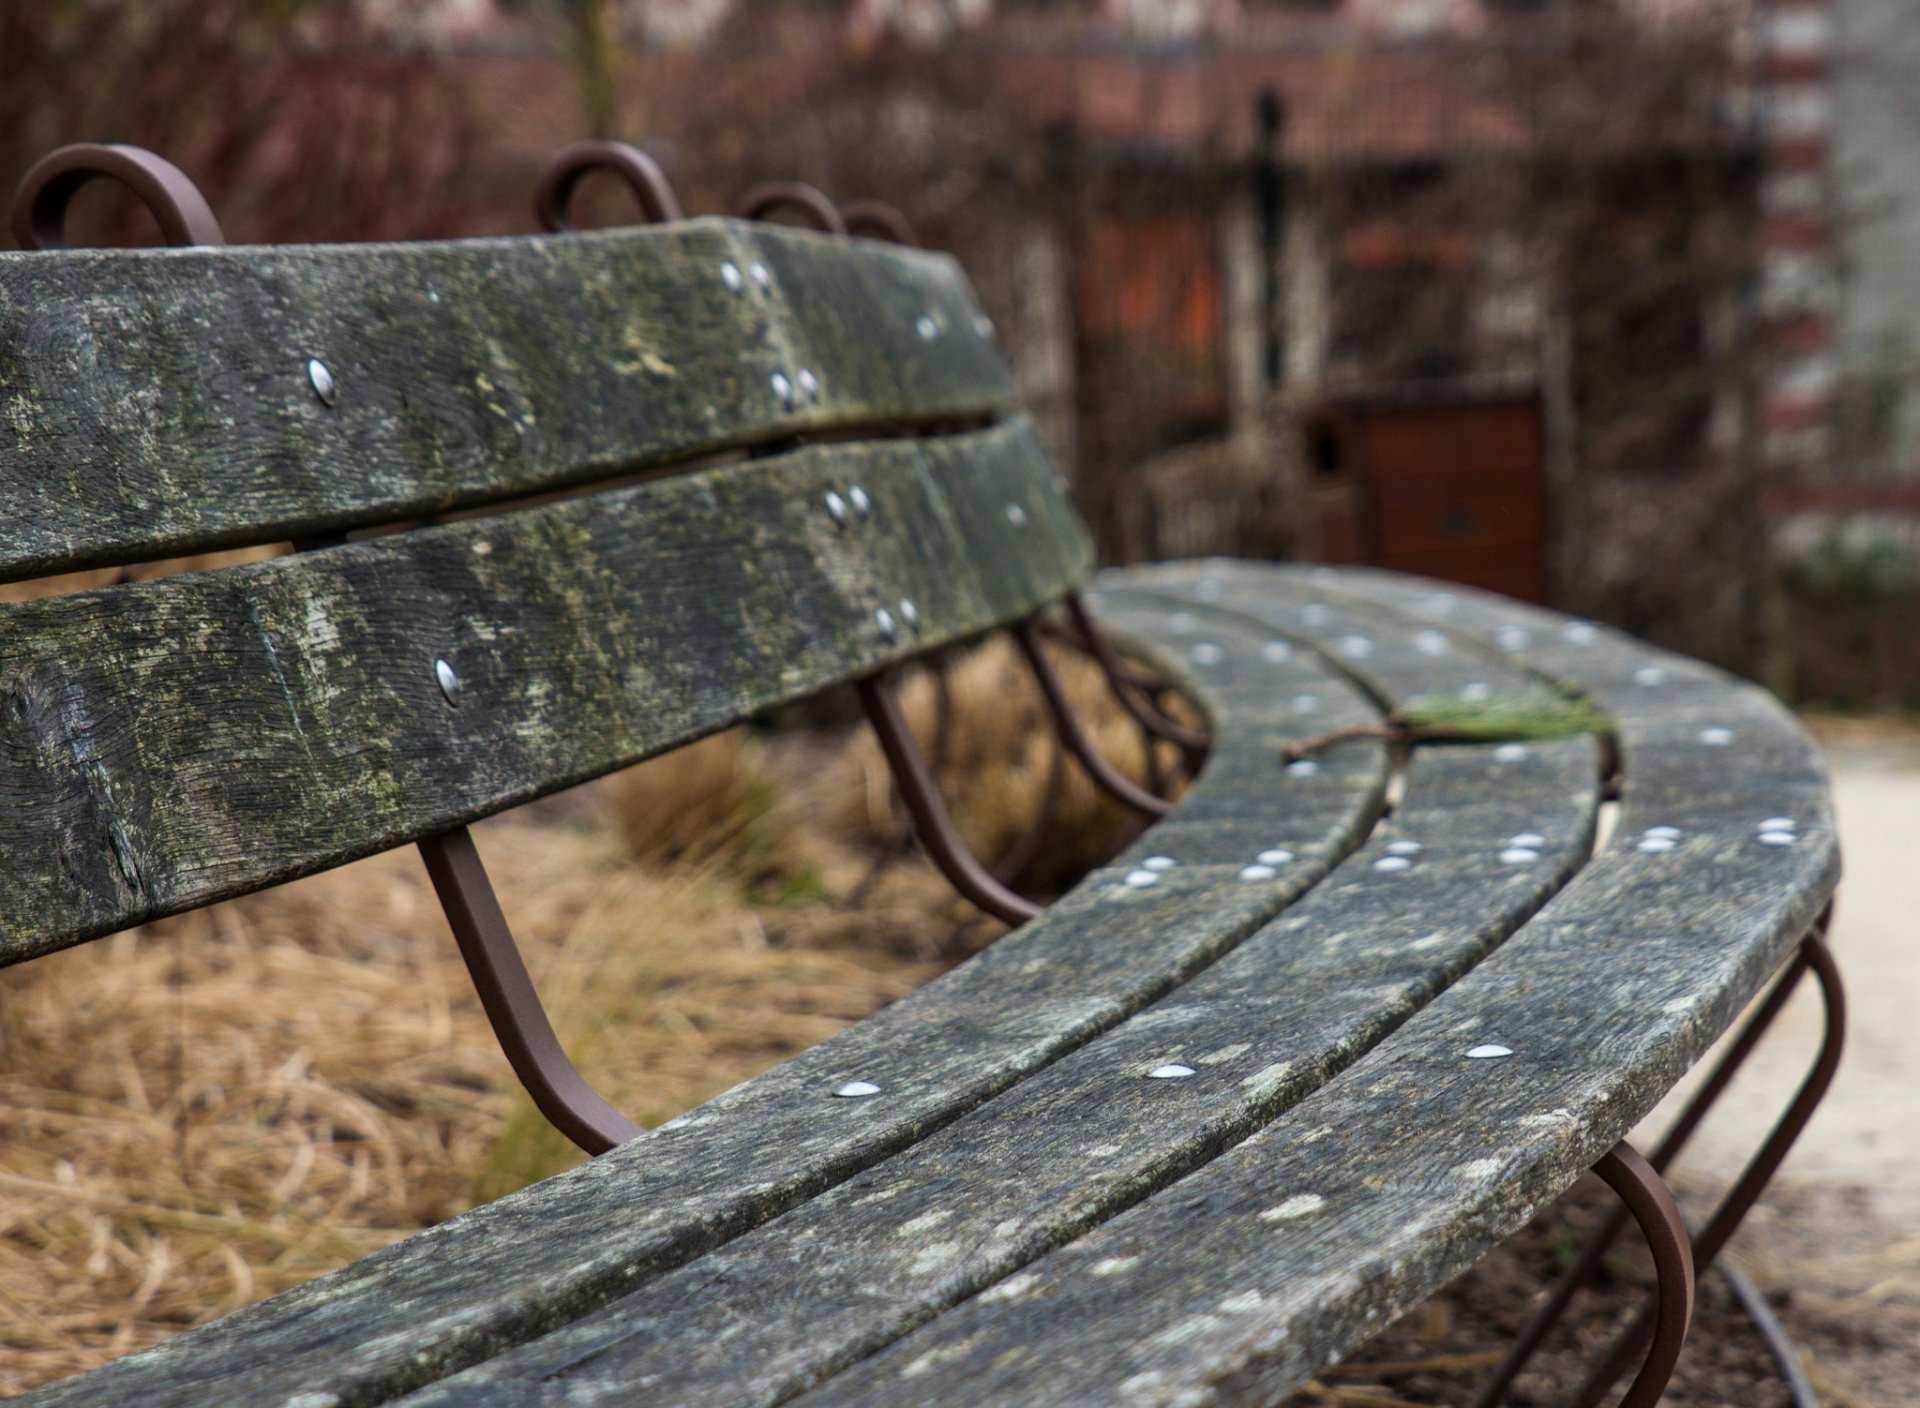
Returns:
(170,743)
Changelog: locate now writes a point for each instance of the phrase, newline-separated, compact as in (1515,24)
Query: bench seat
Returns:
(1025,1212)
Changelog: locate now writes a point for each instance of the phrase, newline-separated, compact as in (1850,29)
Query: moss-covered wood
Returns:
(173,743)
(154,402)
(1243,1279)
(540,1259)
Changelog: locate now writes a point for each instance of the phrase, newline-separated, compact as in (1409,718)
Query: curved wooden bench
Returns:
(1183,1137)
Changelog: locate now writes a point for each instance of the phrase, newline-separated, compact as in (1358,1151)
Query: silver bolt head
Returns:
(836,508)
(862,505)
(449,682)
(927,328)
(1171,1071)
(1016,515)
(730,276)
(889,627)
(983,325)
(782,389)
(320,376)
(910,614)
(857,1090)
(760,275)
(809,384)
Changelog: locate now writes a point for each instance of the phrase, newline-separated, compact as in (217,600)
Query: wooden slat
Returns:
(772,1312)
(154,402)
(170,744)
(550,1254)
(1242,1280)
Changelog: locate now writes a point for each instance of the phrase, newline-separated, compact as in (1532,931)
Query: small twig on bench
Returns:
(1353,1397)
(1454,719)
(1401,1368)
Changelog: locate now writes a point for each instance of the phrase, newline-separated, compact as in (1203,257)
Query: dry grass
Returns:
(211,1109)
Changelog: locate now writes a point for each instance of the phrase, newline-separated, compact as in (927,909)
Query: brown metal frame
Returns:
(1074,734)
(877,220)
(761,200)
(931,823)
(512,1005)
(1812,956)
(1128,686)
(1647,1197)
(640,172)
(39,213)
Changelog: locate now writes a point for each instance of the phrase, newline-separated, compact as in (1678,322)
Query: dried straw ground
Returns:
(206,1111)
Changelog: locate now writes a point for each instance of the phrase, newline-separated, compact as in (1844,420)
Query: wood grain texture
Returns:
(774,1311)
(157,401)
(1241,1280)
(507,1272)
(169,744)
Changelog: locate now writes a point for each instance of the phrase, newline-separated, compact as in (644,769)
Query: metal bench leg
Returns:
(507,993)
(1074,734)
(1712,1239)
(1651,1202)
(1812,955)
(1128,690)
(930,820)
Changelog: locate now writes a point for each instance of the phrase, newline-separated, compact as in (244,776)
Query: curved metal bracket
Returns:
(877,220)
(769,196)
(929,813)
(1191,743)
(1651,1202)
(1074,734)
(640,172)
(39,214)
(512,1005)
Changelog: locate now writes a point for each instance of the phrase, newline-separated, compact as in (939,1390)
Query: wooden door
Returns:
(1456,491)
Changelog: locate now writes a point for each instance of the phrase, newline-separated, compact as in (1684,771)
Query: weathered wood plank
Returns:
(1240,1281)
(158,401)
(544,1257)
(169,744)
(774,1311)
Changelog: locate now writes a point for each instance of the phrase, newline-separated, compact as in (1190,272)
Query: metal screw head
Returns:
(809,384)
(448,681)
(889,627)
(927,328)
(782,389)
(760,275)
(857,1089)
(983,325)
(1016,515)
(862,505)
(1171,1071)
(910,614)
(836,508)
(320,376)
(730,276)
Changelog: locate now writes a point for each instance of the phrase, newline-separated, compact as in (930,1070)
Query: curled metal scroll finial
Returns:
(640,172)
(770,196)
(39,214)
(876,219)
